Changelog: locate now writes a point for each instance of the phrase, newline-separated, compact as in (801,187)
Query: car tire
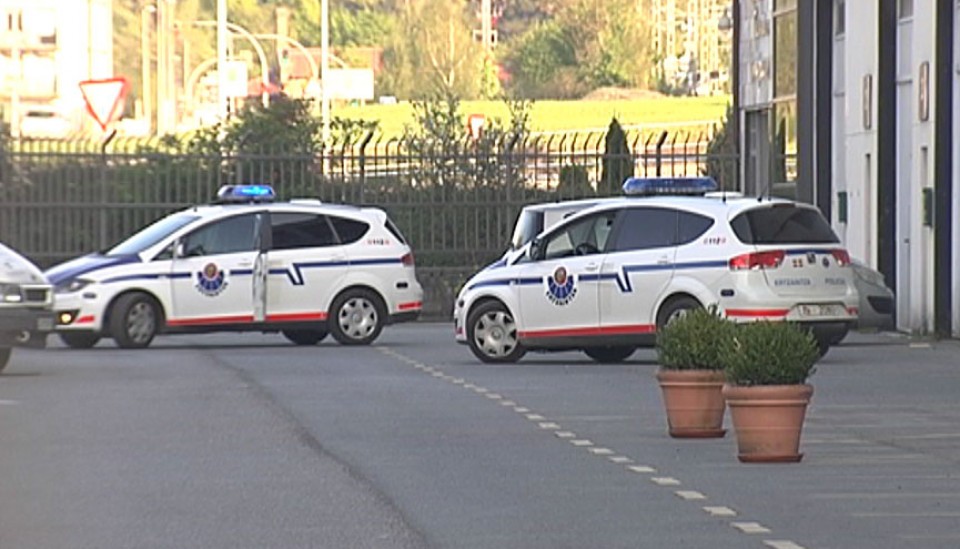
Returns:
(609,355)
(79,340)
(4,357)
(134,321)
(356,317)
(305,337)
(674,308)
(492,334)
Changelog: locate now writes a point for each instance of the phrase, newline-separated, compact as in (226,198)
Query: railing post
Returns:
(659,159)
(104,214)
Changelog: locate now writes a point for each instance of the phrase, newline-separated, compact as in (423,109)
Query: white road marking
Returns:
(642,469)
(565,434)
(581,442)
(9,402)
(620,459)
(601,451)
(469,386)
(750,527)
(549,425)
(690,494)
(481,390)
(521,410)
(665,481)
(720,511)
(919,345)
(781,544)
(508,403)
(494,396)
(438,374)
(944,514)
(458,381)
(535,417)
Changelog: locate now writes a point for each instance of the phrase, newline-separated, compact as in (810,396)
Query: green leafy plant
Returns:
(691,341)
(769,353)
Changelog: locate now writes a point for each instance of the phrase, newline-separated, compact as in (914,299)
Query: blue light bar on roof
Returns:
(246,193)
(646,186)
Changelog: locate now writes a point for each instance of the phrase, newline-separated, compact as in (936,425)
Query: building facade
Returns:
(47,47)
(850,105)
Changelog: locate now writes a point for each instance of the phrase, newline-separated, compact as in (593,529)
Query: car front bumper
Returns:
(25,327)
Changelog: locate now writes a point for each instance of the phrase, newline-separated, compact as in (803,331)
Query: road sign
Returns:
(104,98)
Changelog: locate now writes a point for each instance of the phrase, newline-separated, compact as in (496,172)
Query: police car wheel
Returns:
(674,309)
(79,340)
(133,321)
(356,317)
(609,355)
(305,337)
(492,334)
(4,357)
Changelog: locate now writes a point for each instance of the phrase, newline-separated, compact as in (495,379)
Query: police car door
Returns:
(307,262)
(558,288)
(213,273)
(637,269)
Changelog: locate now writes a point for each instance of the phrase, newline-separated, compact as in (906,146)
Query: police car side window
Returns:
(691,226)
(234,234)
(300,230)
(646,228)
(349,230)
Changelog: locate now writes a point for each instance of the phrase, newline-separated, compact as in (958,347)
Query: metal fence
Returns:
(455,202)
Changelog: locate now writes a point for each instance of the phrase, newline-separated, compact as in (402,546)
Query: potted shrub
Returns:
(767,365)
(691,375)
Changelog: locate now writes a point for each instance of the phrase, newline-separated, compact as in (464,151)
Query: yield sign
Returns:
(104,98)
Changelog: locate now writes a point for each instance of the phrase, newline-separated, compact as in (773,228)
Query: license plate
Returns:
(831,310)
(45,324)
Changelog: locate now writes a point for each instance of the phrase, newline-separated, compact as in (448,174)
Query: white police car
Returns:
(244,263)
(607,277)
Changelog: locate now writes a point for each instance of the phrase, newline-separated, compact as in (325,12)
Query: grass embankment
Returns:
(565,116)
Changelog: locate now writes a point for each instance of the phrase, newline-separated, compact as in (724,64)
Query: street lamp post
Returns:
(223,106)
(146,86)
(325,68)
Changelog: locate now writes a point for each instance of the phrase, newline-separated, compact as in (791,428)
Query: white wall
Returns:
(919,262)
(838,168)
(858,143)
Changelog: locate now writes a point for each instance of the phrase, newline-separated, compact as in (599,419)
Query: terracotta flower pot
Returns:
(767,420)
(693,401)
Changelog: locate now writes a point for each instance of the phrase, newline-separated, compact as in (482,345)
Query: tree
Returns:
(617,161)
(432,49)
(542,63)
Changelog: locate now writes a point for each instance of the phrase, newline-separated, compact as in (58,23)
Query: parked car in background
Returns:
(42,122)
(876,298)
(26,304)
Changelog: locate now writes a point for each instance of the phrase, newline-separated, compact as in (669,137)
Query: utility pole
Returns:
(146,85)
(325,68)
(223,105)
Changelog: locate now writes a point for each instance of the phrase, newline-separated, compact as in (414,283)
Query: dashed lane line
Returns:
(688,495)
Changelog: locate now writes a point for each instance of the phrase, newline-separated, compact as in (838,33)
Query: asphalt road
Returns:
(246,441)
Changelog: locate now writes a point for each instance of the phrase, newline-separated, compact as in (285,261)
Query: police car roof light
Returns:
(245,193)
(646,186)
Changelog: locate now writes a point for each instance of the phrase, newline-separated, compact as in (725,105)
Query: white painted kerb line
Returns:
(750,527)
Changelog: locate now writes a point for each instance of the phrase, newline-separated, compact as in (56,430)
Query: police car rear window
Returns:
(349,230)
(783,224)
(395,231)
(298,230)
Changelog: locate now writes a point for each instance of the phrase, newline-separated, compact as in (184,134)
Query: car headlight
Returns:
(74,285)
(10,293)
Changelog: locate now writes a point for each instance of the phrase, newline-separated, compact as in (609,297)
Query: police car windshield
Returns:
(152,234)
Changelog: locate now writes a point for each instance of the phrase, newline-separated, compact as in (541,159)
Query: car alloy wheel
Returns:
(493,334)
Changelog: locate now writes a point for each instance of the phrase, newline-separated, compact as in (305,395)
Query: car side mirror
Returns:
(536,249)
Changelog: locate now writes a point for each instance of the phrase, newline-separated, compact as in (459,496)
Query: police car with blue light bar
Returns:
(243,263)
(606,278)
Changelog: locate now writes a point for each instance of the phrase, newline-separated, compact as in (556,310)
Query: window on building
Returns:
(839,17)
(904,9)
(785,52)
(783,150)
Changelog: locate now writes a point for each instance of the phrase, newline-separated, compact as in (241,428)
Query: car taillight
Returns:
(407,259)
(842,257)
(757,260)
